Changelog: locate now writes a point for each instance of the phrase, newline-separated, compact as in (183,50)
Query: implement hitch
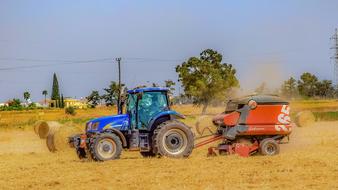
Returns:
(227,148)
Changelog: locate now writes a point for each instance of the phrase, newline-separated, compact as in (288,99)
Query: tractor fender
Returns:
(170,114)
(119,134)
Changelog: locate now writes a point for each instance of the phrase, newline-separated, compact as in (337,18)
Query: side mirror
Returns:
(122,103)
(171,98)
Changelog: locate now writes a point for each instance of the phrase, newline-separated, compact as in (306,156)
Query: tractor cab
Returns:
(145,104)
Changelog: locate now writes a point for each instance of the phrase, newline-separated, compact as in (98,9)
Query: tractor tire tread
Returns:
(113,136)
(263,143)
(161,128)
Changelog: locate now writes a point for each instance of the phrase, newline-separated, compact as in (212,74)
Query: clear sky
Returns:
(264,40)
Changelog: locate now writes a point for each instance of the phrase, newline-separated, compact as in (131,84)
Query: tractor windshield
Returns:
(151,104)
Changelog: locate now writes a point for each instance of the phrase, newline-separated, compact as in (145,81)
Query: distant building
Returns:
(49,103)
(37,104)
(70,102)
(3,104)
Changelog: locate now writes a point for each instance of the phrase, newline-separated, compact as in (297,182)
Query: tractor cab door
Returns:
(131,109)
(151,104)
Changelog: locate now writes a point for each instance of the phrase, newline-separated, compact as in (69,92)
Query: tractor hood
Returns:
(116,121)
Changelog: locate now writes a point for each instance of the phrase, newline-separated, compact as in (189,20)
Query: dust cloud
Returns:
(268,73)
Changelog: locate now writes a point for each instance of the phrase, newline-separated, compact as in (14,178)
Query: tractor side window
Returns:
(151,104)
(131,102)
(131,109)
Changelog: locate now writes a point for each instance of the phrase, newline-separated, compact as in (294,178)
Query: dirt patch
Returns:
(20,142)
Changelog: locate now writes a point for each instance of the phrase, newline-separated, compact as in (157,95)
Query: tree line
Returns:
(308,86)
(111,93)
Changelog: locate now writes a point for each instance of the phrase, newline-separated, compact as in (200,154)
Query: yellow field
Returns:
(310,161)
(315,105)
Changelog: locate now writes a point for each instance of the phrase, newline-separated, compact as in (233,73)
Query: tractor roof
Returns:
(261,99)
(148,89)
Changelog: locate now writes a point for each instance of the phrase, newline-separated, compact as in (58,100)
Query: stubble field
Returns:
(309,161)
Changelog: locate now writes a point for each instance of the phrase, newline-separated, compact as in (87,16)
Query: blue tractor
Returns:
(149,125)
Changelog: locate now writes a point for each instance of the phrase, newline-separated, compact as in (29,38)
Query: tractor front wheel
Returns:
(105,146)
(269,147)
(173,139)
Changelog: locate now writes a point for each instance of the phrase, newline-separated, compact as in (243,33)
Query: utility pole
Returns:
(335,55)
(119,108)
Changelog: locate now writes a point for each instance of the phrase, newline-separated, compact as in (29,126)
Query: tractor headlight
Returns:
(89,126)
(95,125)
(92,126)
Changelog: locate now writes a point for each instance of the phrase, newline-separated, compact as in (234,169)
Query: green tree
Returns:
(289,88)
(170,85)
(45,93)
(62,102)
(55,92)
(94,99)
(26,95)
(111,93)
(206,78)
(155,85)
(307,85)
(325,89)
(16,103)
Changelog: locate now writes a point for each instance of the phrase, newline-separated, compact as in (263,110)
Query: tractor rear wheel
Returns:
(269,147)
(173,139)
(105,146)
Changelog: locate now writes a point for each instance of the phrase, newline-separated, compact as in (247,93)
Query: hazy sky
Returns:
(264,40)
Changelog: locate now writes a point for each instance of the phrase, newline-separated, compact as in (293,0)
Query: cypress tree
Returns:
(55,91)
(62,102)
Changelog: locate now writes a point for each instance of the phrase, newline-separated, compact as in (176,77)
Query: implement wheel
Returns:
(105,146)
(173,139)
(269,147)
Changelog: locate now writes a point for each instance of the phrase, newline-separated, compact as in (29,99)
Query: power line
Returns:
(49,65)
(53,60)
(151,59)
(58,62)
(94,60)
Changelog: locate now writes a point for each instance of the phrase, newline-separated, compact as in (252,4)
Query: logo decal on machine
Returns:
(284,119)
(281,128)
